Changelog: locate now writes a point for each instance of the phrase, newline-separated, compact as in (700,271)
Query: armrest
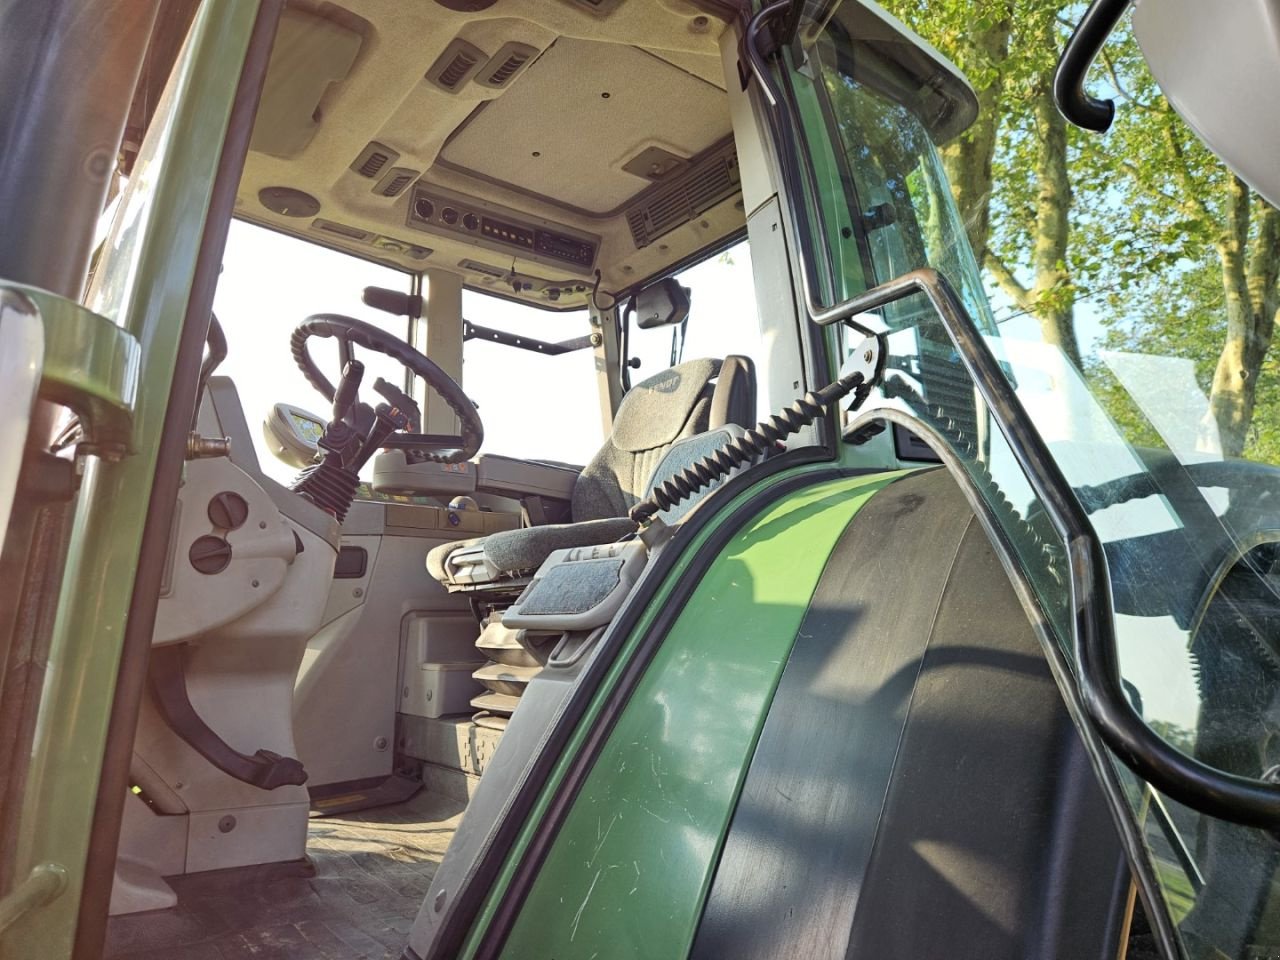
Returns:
(512,477)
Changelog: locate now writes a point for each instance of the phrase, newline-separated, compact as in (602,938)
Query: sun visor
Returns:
(880,51)
(311,53)
(1219,65)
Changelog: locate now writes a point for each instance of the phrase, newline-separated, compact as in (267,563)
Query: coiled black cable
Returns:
(760,440)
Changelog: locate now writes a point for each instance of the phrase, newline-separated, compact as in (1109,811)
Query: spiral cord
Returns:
(760,440)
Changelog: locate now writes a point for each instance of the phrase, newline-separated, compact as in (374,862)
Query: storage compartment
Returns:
(439,689)
(435,638)
(510,477)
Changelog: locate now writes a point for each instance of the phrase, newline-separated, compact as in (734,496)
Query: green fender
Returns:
(631,866)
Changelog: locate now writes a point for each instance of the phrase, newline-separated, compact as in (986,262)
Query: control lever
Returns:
(398,398)
(390,417)
(348,389)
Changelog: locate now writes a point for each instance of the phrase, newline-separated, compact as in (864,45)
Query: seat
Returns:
(680,402)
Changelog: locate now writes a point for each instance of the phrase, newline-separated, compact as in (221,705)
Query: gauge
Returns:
(449,216)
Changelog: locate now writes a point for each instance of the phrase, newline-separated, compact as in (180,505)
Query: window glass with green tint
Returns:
(877,169)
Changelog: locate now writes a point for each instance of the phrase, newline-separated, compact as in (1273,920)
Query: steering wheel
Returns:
(442,448)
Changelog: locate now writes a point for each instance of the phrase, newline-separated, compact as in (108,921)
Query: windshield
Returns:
(269,284)
(1187,513)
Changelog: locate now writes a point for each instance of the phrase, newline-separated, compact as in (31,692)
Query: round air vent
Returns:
(288,202)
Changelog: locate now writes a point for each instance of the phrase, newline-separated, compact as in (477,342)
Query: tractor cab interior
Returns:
(607,518)
(380,553)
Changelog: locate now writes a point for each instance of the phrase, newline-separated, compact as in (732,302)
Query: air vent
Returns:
(342,230)
(403,247)
(477,267)
(456,65)
(707,182)
(506,65)
(373,159)
(396,179)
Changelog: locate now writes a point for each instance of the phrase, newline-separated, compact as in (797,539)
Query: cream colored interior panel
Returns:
(260,549)
(649,56)
(576,109)
(347,690)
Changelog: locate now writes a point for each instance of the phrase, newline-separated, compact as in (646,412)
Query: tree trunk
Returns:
(1052,291)
(1249,288)
(968,159)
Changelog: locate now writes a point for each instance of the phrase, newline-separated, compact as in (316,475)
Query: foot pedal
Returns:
(334,799)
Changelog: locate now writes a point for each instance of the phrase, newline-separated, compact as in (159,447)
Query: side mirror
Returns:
(662,304)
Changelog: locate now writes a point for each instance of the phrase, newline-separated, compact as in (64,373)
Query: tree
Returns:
(1191,222)
(1136,220)
(1009,172)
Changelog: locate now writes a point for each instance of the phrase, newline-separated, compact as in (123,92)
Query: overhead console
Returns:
(489,225)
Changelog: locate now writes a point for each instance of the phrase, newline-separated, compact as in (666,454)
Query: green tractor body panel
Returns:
(632,863)
(143,283)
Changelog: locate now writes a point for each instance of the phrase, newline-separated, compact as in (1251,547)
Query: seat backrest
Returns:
(679,402)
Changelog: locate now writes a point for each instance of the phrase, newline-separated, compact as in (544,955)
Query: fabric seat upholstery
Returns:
(677,403)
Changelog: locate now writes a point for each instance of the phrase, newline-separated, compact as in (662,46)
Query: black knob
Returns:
(228,510)
(210,554)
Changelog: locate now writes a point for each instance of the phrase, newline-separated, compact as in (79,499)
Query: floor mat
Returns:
(355,900)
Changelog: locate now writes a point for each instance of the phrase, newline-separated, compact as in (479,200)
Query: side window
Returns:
(722,319)
(533,405)
(269,284)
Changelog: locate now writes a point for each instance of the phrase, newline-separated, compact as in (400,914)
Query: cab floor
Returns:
(369,874)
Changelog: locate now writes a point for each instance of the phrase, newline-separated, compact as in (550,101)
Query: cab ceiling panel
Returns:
(589,107)
(311,53)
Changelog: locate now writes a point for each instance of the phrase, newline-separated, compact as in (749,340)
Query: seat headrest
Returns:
(734,399)
(655,411)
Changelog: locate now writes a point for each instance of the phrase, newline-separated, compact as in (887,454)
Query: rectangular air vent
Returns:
(506,65)
(342,230)
(478,267)
(395,180)
(374,159)
(706,183)
(456,65)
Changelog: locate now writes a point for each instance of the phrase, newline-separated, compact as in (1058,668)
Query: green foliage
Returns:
(1153,216)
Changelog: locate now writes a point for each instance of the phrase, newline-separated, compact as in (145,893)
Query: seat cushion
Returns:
(512,550)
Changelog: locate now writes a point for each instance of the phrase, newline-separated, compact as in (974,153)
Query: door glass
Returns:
(1183,501)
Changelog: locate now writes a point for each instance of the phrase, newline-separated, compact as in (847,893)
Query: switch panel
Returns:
(498,228)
